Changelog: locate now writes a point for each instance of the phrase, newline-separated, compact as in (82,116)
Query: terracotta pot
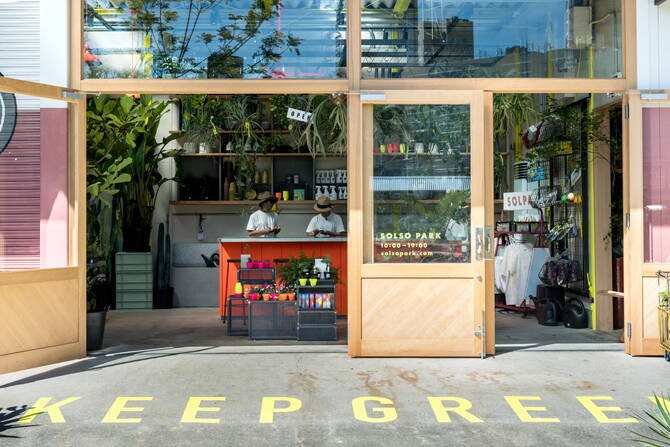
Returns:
(283,297)
(266,297)
(290,296)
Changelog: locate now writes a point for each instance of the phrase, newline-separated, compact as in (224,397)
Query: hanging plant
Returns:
(326,130)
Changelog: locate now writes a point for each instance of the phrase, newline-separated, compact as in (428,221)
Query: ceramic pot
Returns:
(283,297)
(313,281)
(266,297)
(302,281)
(290,296)
(274,297)
(254,296)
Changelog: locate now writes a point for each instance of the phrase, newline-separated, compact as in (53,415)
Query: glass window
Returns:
(214,39)
(421,183)
(34,209)
(656,159)
(480,39)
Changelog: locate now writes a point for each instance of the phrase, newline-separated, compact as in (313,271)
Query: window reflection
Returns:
(421,183)
(459,39)
(214,39)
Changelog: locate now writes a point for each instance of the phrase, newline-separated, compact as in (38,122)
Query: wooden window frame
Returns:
(353,83)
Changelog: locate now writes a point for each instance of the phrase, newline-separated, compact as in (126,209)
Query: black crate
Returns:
(256,276)
(273,320)
(316,317)
(317,333)
(237,317)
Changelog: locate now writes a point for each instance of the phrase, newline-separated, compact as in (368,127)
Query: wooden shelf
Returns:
(228,132)
(419,154)
(248,202)
(497,201)
(278,154)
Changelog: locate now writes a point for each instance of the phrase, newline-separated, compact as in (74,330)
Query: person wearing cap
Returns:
(326,223)
(263,223)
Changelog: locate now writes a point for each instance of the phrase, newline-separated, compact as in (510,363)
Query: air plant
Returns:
(326,130)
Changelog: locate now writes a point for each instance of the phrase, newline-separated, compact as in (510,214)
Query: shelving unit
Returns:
(248,202)
(269,154)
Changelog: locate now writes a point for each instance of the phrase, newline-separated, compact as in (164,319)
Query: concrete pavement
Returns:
(311,395)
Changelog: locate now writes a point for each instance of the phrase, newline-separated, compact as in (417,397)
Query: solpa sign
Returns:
(7,118)
(517,201)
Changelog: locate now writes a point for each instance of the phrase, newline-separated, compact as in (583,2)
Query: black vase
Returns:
(136,239)
(95,330)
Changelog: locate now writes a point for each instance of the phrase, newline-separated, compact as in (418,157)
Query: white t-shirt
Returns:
(331,223)
(260,220)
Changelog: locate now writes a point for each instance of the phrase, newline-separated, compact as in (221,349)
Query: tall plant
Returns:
(137,198)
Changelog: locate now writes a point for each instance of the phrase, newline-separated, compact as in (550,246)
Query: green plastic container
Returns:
(134,281)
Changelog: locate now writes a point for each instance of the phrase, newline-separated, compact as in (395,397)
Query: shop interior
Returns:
(558,222)
(220,153)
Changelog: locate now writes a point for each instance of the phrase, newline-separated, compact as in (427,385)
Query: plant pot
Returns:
(95,330)
(313,281)
(290,296)
(136,238)
(302,281)
(254,296)
(283,297)
(164,298)
(274,297)
(266,297)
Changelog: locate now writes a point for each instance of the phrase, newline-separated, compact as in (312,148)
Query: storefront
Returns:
(420,82)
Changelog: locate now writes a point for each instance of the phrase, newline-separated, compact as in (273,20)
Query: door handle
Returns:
(488,255)
(479,243)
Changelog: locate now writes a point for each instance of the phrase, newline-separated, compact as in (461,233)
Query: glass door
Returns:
(42,239)
(425,240)
(647,225)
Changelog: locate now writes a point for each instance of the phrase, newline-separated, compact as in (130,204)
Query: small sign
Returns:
(517,201)
(298,115)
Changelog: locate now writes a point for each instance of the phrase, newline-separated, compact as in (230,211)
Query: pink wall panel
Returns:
(656,150)
(54,188)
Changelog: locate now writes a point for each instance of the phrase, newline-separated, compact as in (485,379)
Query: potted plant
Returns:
(137,198)
(99,292)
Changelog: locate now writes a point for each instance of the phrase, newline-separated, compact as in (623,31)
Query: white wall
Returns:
(653,45)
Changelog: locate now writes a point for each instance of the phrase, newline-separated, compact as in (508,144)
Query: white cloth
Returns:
(260,220)
(514,269)
(331,223)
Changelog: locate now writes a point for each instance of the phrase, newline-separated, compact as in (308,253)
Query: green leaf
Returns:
(127,103)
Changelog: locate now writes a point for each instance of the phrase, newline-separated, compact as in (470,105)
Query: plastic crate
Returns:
(273,320)
(319,317)
(317,333)
(134,281)
(256,276)
(237,317)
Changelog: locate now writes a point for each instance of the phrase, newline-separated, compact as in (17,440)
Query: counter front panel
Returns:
(278,248)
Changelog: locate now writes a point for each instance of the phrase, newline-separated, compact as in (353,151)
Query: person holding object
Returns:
(326,223)
(263,223)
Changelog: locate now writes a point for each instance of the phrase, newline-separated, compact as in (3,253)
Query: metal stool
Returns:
(225,291)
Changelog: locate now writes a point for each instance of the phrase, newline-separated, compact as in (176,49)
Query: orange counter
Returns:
(278,248)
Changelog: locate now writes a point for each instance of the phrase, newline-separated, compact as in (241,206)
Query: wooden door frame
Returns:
(75,272)
(359,201)
(635,268)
